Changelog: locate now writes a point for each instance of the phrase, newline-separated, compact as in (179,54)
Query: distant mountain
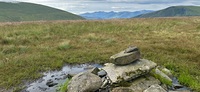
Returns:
(173,11)
(21,11)
(112,14)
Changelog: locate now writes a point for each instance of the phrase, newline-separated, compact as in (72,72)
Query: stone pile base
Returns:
(126,73)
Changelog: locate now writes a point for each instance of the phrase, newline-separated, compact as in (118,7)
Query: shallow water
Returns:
(176,86)
(58,77)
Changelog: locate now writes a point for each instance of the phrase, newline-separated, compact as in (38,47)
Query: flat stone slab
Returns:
(128,72)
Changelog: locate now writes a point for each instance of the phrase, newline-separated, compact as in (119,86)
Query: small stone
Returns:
(177,86)
(155,88)
(52,75)
(127,56)
(131,49)
(69,76)
(102,73)
(50,83)
(103,78)
(95,70)
(105,83)
(58,78)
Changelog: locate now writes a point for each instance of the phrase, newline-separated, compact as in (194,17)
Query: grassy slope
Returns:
(31,12)
(174,11)
(26,49)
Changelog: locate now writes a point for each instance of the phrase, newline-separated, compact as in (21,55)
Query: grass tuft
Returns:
(64,46)
(63,87)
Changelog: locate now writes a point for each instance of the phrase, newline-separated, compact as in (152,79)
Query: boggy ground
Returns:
(29,48)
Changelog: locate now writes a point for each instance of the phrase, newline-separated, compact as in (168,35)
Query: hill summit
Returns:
(21,11)
(174,11)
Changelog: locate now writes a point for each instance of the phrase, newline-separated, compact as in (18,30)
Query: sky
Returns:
(83,6)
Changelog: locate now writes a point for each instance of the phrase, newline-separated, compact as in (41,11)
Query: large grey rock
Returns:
(155,88)
(128,72)
(84,82)
(127,56)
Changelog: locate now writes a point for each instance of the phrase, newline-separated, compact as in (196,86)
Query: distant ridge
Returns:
(174,11)
(112,14)
(21,11)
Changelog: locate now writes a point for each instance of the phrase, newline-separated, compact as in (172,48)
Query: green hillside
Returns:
(32,12)
(174,11)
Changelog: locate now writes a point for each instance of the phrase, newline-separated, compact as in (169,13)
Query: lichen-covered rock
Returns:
(155,88)
(128,72)
(163,75)
(166,71)
(84,82)
(127,56)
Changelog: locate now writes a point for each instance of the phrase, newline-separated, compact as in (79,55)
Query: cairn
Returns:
(127,72)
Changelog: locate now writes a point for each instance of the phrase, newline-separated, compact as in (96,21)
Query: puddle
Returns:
(176,86)
(53,79)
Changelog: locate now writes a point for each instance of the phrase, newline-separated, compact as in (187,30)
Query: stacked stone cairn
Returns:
(127,72)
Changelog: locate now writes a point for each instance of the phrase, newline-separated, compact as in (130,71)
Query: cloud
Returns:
(139,1)
(81,6)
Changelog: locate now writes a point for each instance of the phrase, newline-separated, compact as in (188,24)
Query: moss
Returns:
(163,80)
(121,82)
(137,72)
